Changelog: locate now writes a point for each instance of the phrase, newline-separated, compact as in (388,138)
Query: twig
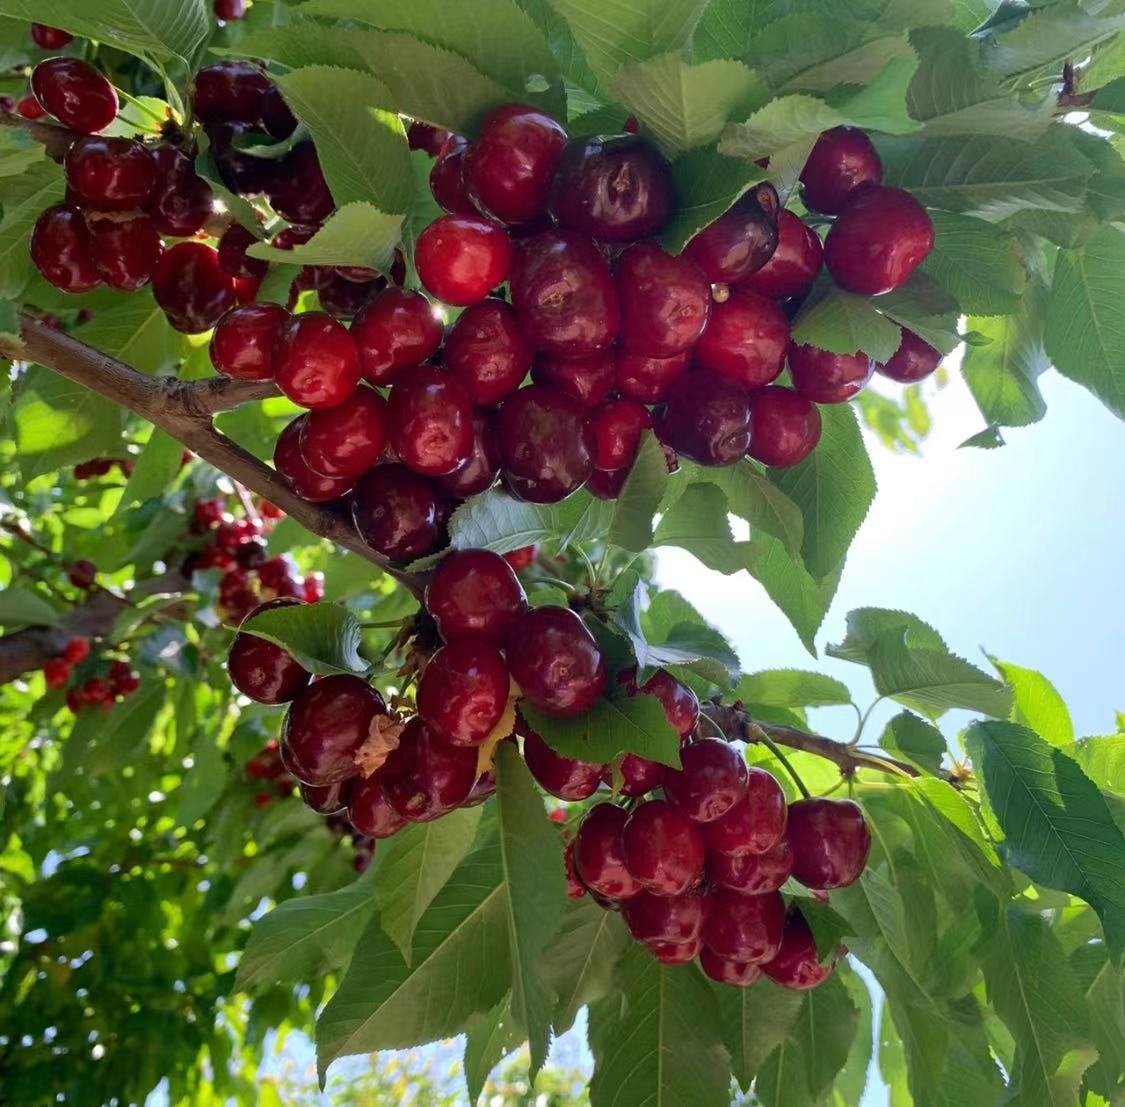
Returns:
(761,736)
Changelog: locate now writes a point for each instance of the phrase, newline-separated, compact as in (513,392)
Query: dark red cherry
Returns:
(49,38)
(341,296)
(347,440)
(741,240)
(229,90)
(877,241)
(462,258)
(482,468)
(753,825)
(617,428)
(676,919)
(842,162)
(229,10)
(575,889)
(563,777)
(427,777)
(75,93)
(426,137)
(244,340)
(719,969)
(639,776)
(914,360)
(508,168)
(298,191)
(397,329)
(605,484)
(369,810)
(191,288)
(463,691)
(430,417)
(711,781)
(745,928)
(316,363)
(290,463)
(649,379)
(487,353)
(564,294)
(794,265)
(126,248)
(830,840)
(232,254)
(752,874)
(331,799)
(555,661)
(681,707)
(745,339)
(588,379)
(663,848)
(278,119)
(827,378)
(665,301)
(797,963)
(395,512)
(28,107)
(325,726)
(617,189)
(110,174)
(474,594)
(447,181)
(599,853)
(239,169)
(675,953)
(784,426)
(62,249)
(262,670)
(706,417)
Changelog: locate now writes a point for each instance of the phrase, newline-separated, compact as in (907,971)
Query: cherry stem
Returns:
(775,749)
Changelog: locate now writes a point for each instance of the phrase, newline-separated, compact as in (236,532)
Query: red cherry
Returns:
(110,174)
(599,854)
(426,777)
(588,379)
(797,963)
(487,353)
(290,463)
(97,690)
(82,574)
(681,707)
(262,670)
(484,788)
(279,120)
(331,799)
(719,969)
(672,953)
(639,776)
(742,928)
(741,240)
(617,428)
(347,440)
(447,180)
(555,661)
(76,650)
(877,241)
(508,169)
(74,701)
(229,91)
(523,557)
(229,10)
(842,162)
(430,417)
(49,38)
(752,874)
(298,191)
(914,360)
(794,265)
(395,330)
(395,512)
(663,848)
(56,671)
(325,725)
(706,418)
(753,825)
(181,201)
(426,137)
(828,378)
(745,339)
(474,594)
(575,889)
(605,484)
(232,254)
(191,288)
(648,379)
(239,169)
(462,258)
(75,93)
(665,301)
(784,426)
(675,919)
(62,249)
(711,781)
(830,840)
(127,250)
(342,296)
(29,108)
(369,810)
(243,344)
(563,777)
(315,361)
(482,468)
(463,692)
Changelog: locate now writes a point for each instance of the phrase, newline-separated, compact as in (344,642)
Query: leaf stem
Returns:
(760,735)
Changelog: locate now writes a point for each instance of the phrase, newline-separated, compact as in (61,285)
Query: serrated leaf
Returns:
(155,469)
(756,1021)
(356,234)
(866,625)
(135,330)
(635,507)
(19,607)
(923,306)
(125,729)
(844,323)
(906,735)
(203,786)
(801,599)
(487,1043)
(697,522)
(726,27)
(753,497)
(791,688)
(976,263)
(25,198)
(497,521)
(1037,704)
(323,637)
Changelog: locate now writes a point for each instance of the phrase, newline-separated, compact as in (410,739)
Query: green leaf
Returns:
(844,323)
(753,497)
(755,1022)
(125,729)
(323,637)
(791,688)
(976,263)
(135,330)
(19,607)
(499,522)
(924,307)
(635,507)
(486,1045)
(908,736)
(25,198)
(155,470)
(671,1015)
(801,599)
(202,787)
(1037,704)
(356,234)
(1057,827)
(697,522)
(726,27)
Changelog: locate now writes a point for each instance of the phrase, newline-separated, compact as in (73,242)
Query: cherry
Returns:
(672,953)
(599,853)
(575,889)
(484,788)
(914,360)
(316,363)
(675,919)
(462,258)
(877,241)
(648,379)
(341,296)
(617,189)
(794,265)
(706,417)
(745,928)
(263,671)
(564,293)
(617,428)
(290,463)
(606,484)
(243,343)
(111,174)
(842,162)
(126,249)
(745,339)
(292,236)
(482,468)
(719,969)
(395,330)
(711,781)
(229,91)
(56,671)
(122,679)
(830,840)
(588,379)
(426,137)
(325,726)
(76,650)
(784,426)
(741,240)
(639,776)
(229,10)
(430,417)
(463,691)
(797,963)
(297,190)
(555,660)
(49,38)
(395,512)
(30,108)
(828,378)
(239,169)
(447,181)
(564,777)
(181,201)
(508,169)
(369,810)
(62,249)
(753,825)
(665,301)
(522,558)
(426,777)
(278,119)
(681,707)
(75,93)
(752,874)
(233,259)
(347,440)
(474,594)
(663,848)
(331,799)
(487,352)
(191,288)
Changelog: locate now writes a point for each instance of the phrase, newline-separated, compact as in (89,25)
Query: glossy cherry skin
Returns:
(347,440)
(605,484)
(617,189)
(508,168)
(827,378)
(793,266)
(62,249)
(797,963)
(617,428)
(483,789)
(681,707)
(487,353)
(229,10)
(752,874)
(753,825)
(877,241)
(427,777)
(914,360)
(325,725)
(240,170)
(316,363)
(842,162)
(564,294)
(741,240)
(427,138)
(742,928)
(298,191)
(369,810)
(395,330)
(675,919)
(480,471)
(639,776)
(599,853)
(575,889)
(663,848)
(28,107)
(462,258)
(395,512)
(191,288)
(181,201)
(263,671)
(232,253)
(278,119)
(665,301)
(830,841)
(244,339)
(745,339)
(588,379)
(126,249)
(229,90)
(555,661)
(474,594)
(331,799)
(675,953)
(706,418)
(110,174)
(563,777)
(711,781)
(784,426)
(722,971)
(75,93)
(290,463)
(463,691)
(430,417)
(447,181)
(649,379)
(49,38)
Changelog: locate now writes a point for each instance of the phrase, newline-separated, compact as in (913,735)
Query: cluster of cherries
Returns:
(91,689)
